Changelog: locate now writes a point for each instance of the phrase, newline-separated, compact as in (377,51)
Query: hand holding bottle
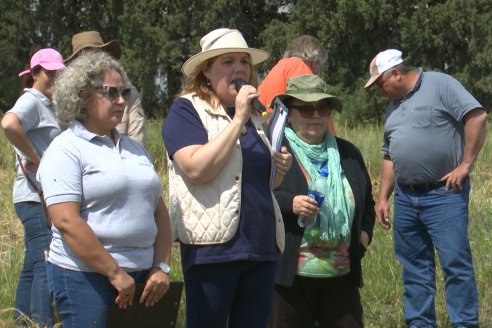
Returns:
(307,222)
(318,184)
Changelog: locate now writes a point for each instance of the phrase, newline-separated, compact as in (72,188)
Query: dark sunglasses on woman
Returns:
(114,93)
(306,110)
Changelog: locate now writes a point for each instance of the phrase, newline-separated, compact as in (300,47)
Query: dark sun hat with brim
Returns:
(93,39)
(222,41)
(308,88)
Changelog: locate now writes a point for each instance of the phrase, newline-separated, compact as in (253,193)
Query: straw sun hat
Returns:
(222,41)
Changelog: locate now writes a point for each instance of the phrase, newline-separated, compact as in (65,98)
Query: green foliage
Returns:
(157,36)
(445,35)
(382,293)
(14,48)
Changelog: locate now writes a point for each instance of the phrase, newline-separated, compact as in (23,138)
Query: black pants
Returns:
(331,302)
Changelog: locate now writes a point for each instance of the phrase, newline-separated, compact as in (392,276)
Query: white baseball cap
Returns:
(381,63)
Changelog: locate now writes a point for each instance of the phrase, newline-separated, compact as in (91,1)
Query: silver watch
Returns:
(163,266)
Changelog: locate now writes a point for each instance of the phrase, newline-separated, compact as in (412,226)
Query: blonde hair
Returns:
(198,83)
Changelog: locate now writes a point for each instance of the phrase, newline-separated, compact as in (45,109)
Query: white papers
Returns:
(276,132)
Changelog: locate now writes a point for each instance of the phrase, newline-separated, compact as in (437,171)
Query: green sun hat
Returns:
(308,88)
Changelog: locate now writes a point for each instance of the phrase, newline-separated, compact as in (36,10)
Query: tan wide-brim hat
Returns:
(222,41)
(93,39)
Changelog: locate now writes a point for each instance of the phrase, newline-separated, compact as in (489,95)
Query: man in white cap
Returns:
(133,122)
(434,130)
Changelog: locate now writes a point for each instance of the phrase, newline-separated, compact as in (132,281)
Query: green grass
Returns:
(382,293)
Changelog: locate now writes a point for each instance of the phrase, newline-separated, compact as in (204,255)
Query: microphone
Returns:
(255,102)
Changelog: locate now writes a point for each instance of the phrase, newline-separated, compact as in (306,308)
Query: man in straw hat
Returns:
(434,130)
(222,206)
(133,121)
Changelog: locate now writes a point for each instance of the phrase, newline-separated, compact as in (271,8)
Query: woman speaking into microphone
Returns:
(222,207)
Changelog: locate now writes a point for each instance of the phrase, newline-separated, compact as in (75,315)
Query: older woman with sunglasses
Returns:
(110,225)
(319,273)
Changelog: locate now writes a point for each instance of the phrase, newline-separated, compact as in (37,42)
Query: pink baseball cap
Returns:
(47,58)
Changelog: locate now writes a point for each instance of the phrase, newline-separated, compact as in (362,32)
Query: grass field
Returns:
(382,291)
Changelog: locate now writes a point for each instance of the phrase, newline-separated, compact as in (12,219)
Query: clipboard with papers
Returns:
(276,131)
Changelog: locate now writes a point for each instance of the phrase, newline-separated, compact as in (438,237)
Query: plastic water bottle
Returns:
(319,197)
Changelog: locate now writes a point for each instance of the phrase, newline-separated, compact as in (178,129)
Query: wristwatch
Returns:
(163,266)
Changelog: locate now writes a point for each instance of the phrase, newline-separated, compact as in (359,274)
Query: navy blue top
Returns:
(255,237)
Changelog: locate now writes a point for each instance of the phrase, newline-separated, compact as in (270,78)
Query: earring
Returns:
(208,82)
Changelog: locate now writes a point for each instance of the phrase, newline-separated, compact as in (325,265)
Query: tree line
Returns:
(157,36)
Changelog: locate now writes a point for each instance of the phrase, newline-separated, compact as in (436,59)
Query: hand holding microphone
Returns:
(257,105)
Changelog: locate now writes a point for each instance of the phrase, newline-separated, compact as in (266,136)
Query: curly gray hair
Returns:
(75,84)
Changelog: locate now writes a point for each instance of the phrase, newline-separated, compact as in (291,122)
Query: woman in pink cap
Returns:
(31,126)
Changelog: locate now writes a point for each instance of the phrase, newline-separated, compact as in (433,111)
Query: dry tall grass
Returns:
(382,293)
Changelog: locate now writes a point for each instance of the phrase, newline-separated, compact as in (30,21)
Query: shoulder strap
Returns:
(39,191)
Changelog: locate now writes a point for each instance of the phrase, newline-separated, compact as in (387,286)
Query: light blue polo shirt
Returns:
(117,188)
(35,112)
(424,132)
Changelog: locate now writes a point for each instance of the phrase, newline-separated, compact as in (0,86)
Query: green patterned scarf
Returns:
(334,213)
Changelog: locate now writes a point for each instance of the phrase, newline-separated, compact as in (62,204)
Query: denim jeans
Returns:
(83,299)
(232,294)
(32,297)
(424,221)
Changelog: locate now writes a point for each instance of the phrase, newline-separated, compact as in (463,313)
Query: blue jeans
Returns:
(233,294)
(32,298)
(83,299)
(424,221)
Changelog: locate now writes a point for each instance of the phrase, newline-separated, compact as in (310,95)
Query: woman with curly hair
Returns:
(110,225)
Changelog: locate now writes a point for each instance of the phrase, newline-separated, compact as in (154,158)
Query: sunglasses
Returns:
(114,93)
(307,111)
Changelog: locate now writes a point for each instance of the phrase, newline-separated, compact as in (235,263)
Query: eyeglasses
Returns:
(114,93)
(307,110)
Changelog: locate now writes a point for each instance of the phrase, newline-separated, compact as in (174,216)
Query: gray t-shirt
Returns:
(117,188)
(424,132)
(35,112)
